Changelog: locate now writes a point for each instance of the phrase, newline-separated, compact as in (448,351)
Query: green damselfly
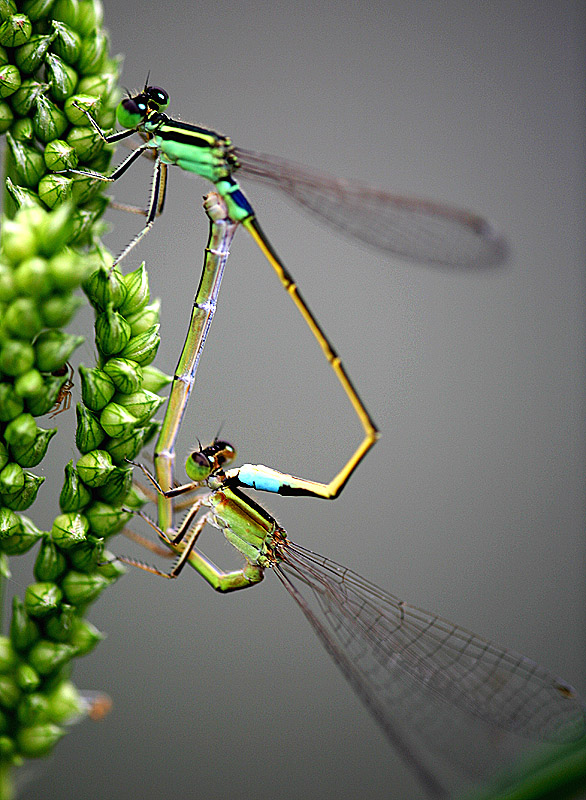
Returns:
(424,679)
(414,228)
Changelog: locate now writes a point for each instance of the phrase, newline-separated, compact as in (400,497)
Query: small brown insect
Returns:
(63,401)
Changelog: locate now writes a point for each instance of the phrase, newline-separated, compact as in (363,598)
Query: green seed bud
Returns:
(29,165)
(10,80)
(125,374)
(59,155)
(7,9)
(112,332)
(37,9)
(23,630)
(65,703)
(46,656)
(25,99)
(74,494)
(15,31)
(94,48)
(142,404)
(144,319)
(27,678)
(56,228)
(105,520)
(17,240)
(95,468)
(31,55)
(81,588)
(115,490)
(7,288)
(32,277)
(42,598)
(16,357)
(110,567)
(10,524)
(116,420)
(21,431)
(50,563)
(55,189)
(69,530)
(4,458)
(67,45)
(29,455)
(19,502)
(38,740)
(97,388)
(66,268)
(8,657)
(90,17)
(22,319)
(29,384)
(87,144)
(127,446)
(85,557)
(62,78)
(137,285)
(97,85)
(75,106)
(66,11)
(22,130)
(32,708)
(11,479)
(135,499)
(54,348)
(11,405)
(6,117)
(85,637)
(23,198)
(143,348)
(84,223)
(105,289)
(101,162)
(59,627)
(59,309)
(89,433)
(49,121)
(43,402)
(9,692)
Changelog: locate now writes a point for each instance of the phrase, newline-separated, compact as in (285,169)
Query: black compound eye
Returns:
(158,97)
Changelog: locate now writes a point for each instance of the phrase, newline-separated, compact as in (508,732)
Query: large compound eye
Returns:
(198,466)
(157,97)
(131,111)
(224,453)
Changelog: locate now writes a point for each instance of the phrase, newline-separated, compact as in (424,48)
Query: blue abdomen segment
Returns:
(239,208)
(261,478)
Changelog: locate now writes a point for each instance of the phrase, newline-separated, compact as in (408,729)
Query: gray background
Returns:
(472,502)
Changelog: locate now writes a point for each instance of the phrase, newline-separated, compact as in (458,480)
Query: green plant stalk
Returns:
(54,60)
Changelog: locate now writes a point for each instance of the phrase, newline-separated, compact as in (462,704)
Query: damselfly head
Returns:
(203,462)
(132,111)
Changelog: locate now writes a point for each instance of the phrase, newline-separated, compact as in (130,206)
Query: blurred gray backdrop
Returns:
(472,503)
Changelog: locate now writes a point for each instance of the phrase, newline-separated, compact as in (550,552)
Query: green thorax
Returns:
(194,149)
(244,523)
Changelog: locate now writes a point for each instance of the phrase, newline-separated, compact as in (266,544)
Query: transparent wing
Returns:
(420,230)
(418,673)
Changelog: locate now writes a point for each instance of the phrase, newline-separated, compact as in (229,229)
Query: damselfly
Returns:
(423,678)
(421,230)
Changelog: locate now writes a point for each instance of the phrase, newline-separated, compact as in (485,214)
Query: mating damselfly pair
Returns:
(415,672)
